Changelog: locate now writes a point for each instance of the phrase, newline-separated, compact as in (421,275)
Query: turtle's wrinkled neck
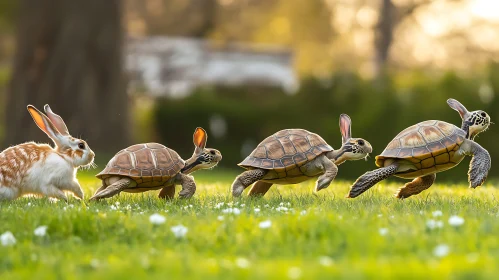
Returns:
(338,156)
(466,128)
(190,165)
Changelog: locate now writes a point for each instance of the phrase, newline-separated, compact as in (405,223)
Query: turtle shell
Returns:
(430,145)
(149,164)
(286,151)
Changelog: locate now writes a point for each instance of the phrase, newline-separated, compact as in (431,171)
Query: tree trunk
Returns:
(69,55)
(383,37)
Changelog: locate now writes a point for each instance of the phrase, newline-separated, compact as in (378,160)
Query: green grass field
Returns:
(310,236)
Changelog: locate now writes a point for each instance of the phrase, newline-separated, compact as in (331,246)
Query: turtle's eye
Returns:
(212,152)
(483,114)
(360,142)
(81,145)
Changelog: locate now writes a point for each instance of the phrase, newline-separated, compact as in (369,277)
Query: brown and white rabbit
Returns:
(39,169)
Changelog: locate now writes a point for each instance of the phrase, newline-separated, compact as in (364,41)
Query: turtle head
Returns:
(202,158)
(473,122)
(351,148)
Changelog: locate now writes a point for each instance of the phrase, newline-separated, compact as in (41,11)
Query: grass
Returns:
(320,236)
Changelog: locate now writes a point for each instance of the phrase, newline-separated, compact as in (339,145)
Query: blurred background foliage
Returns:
(386,63)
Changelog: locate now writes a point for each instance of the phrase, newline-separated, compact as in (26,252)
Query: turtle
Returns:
(424,149)
(152,166)
(292,156)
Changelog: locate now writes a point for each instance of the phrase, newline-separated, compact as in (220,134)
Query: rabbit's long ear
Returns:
(200,137)
(345,127)
(44,123)
(456,105)
(56,120)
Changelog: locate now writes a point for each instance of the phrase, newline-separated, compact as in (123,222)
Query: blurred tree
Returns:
(390,17)
(69,55)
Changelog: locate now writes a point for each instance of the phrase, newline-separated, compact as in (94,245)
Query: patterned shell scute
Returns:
(427,144)
(286,150)
(144,163)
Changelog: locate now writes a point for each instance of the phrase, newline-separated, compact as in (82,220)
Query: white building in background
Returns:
(168,66)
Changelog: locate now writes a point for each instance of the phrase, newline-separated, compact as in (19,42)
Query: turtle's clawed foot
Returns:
(237,188)
(477,181)
(321,184)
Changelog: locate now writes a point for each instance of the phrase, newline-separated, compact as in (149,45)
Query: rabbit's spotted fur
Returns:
(39,169)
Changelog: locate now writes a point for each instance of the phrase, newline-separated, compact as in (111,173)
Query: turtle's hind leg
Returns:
(416,186)
(370,179)
(167,192)
(245,179)
(101,188)
(259,189)
(114,189)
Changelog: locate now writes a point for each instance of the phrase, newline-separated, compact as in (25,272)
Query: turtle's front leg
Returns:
(245,179)
(479,166)
(416,186)
(188,185)
(330,171)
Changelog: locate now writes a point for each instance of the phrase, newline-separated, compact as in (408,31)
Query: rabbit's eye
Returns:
(81,146)
(212,152)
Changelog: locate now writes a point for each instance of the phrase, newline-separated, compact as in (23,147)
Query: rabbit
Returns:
(39,169)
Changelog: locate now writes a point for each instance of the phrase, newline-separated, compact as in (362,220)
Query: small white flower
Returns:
(117,203)
(242,263)
(29,204)
(432,224)
(380,215)
(257,210)
(94,263)
(294,272)
(266,206)
(303,212)
(282,209)
(326,261)
(7,239)
(219,205)
(437,213)
(234,211)
(265,224)
(242,205)
(113,207)
(220,218)
(157,219)
(441,250)
(456,221)
(383,231)
(179,231)
(41,231)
